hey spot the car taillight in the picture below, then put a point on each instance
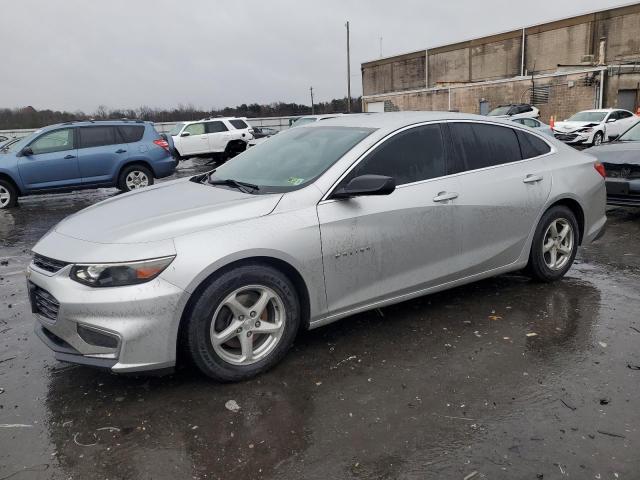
(600, 169)
(162, 143)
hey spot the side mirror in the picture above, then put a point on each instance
(611, 120)
(366, 185)
(27, 151)
(185, 134)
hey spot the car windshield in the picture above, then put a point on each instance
(595, 117)
(500, 111)
(176, 129)
(631, 135)
(304, 121)
(12, 145)
(291, 159)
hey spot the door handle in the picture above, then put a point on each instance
(445, 196)
(532, 179)
(69, 157)
(121, 151)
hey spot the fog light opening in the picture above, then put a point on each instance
(97, 338)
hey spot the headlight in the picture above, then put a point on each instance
(119, 274)
(586, 130)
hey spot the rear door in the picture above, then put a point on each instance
(100, 150)
(378, 247)
(504, 184)
(54, 162)
(194, 140)
(218, 135)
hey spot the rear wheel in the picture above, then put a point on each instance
(234, 148)
(134, 177)
(8, 194)
(555, 244)
(243, 323)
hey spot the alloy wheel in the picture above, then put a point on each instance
(247, 325)
(136, 179)
(557, 246)
(5, 197)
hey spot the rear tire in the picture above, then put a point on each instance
(243, 323)
(134, 177)
(8, 195)
(554, 246)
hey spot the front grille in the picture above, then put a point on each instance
(566, 137)
(48, 264)
(43, 303)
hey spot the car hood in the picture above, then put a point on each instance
(572, 126)
(617, 152)
(164, 212)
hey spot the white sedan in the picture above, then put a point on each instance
(593, 127)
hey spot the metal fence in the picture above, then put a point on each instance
(278, 123)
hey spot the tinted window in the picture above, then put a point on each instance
(56, 141)
(529, 122)
(130, 133)
(413, 155)
(532, 146)
(215, 127)
(478, 145)
(97, 136)
(238, 124)
(623, 114)
(195, 129)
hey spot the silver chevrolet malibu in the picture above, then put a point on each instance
(318, 223)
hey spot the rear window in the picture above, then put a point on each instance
(97, 136)
(532, 146)
(239, 124)
(130, 133)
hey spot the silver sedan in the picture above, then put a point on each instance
(319, 223)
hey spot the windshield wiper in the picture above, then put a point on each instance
(242, 186)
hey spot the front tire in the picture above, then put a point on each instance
(134, 177)
(597, 139)
(8, 195)
(554, 246)
(243, 323)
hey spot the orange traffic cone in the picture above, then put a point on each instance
(638, 112)
(552, 121)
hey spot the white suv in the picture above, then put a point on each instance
(219, 137)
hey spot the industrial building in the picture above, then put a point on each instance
(588, 61)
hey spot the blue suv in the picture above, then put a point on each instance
(78, 155)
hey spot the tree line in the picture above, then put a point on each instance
(29, 117)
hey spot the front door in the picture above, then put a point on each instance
(53, 163)
(504, 184)
(380, 247)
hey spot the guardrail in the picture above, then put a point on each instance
(278, 123)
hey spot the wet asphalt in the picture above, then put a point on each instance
(452, 385)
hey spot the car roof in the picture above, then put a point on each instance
(395, 120)
(89, 123)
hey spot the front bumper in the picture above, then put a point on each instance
(131, 328)
(623, 192)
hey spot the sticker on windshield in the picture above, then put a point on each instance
(295, 180)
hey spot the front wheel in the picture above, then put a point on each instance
(554, 246)
(8, 195)
(243, 323)
(134, 177)
(597, 139)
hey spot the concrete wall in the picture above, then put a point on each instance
(404, 72)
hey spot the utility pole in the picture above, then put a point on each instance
(348, 72)
(312, 107)
(380, 47)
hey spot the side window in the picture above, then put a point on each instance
(479, 145)
(624, 114)
(532, 146)
(97, 136)
(529, 122)
(56, 141)
(194, 129)
(613, 115)
(130, 133)
(413, 155)
(239, 124)
(216, 127)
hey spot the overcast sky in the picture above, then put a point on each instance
(77, 54)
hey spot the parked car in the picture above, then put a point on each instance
(621, 160)
(222, 138)
(299, 122)
(515, 110)
(593, 127)
(537, 124)
(261, 132)
(79, 155)
(316, 224)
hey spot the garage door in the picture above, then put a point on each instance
(375, 107)
(627, 99)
